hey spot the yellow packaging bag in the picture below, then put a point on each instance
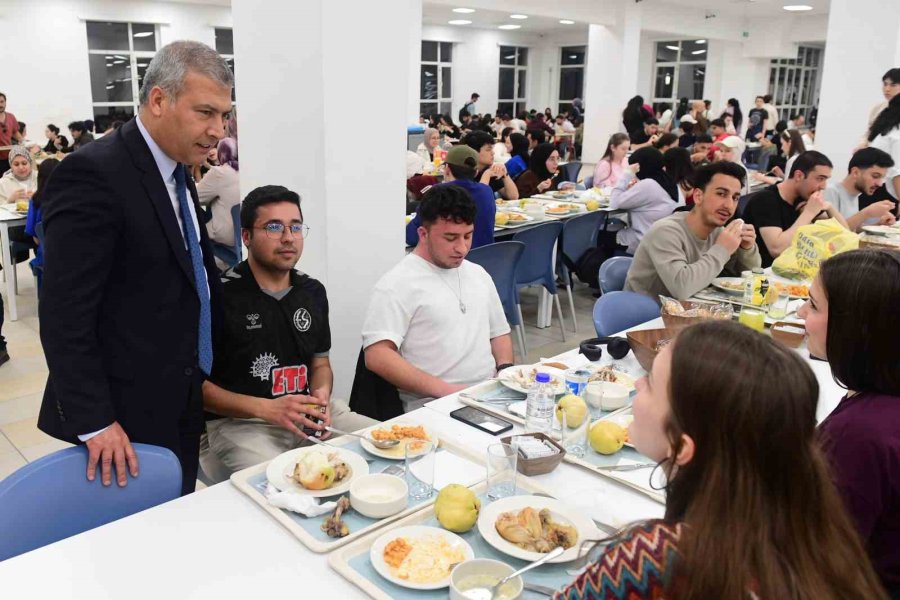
(811, 245)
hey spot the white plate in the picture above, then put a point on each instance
(882, 229)
(525, 220)
(280, 468)
(718, 281)
(621, 378)
(397, 452)
(411, 533)
(561, 512)
(507, 377)
(560, 214)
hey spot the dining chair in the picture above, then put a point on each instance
(51, 499)
(578, 236)
(613, 272)
(501, 261)
(570, 171)
(536, 266)
(618, 311)
(588, 182)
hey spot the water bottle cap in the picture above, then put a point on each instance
(542, 378)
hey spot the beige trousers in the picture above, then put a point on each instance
(230, 445)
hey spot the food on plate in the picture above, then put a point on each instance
(737, 286)
(576, 410)
(556, 365)
(697, 309)
(607, 437)
(501, 218)
(592, 205)
(557, 210)
(423, 560)
(535, 531)
(333, 525)
(319, 471)
(517, 217)
(562, 194)
(797, 290)
(408, 435)
(22, 205)
(456, 508)
(524, 377)
(608, 373)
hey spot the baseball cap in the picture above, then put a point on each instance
(462, 156)
(732, 141)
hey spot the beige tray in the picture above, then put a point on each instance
(241, 481)
(339, 560)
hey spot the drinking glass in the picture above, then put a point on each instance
(501, 471)
(575, 433)
(754, 318)
(778, 308)
(419, 460)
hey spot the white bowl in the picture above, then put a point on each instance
(483, 566)
(606, 395)
(378, 495)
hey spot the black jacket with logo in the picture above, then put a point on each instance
(267, 345)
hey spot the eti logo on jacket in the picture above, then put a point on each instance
(302, 320)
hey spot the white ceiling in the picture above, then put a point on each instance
(747, 8)
(439, 14)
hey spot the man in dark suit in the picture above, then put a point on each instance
(130, 285)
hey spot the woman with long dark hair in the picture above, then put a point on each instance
(792, 146)
(751, 511)
(884, 134)
(634, 115)
(733, 108)
(851, 302)
(517, 144)
(448, 127)
(652, 197)
(678, 165)
(542, 173)
(610, 168)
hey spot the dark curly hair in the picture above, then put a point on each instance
(449, 202)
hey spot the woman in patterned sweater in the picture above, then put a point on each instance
(751, 512)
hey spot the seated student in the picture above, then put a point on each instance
(717, 130)
(848, 320)
(80, 136)
(666, 141)
(535, 138)
(220, 190)
(518, 147)
(501, 148)
(653, 196)
(688, 131)
(683, 253)
(700, 150)
(677, 163)
(271, 382)
(492, 175)
(435, 324)
(750, 514)
(866, 174)
(731, 149)
(459, 172)
(430, 143)
(646, 136)
(613, 163)
(55, 141)
(542, 174)
(779, 210)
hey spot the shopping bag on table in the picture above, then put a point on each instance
(811, 245)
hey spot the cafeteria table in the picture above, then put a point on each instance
(217, 543)
(9, 219)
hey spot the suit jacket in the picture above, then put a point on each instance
(119, 309)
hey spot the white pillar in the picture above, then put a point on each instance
(863, 43)
(307, 74)
(413, 19)
(611, 78)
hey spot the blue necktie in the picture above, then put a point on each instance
(204, 334)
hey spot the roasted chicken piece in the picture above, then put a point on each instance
(535, 531)
(333, 525)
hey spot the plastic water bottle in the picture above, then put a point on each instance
(539, 405)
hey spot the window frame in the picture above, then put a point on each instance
(439, 66)
(518, 71)
(800, 76)
(228, 57)
(560, 102)
(132, 55)
(672, 102)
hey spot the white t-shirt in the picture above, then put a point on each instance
(846, 203)
(416, 306)
(890, 143)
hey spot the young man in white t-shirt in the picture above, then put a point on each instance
(435, 324)
(866, 173)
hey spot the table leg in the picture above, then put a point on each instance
(8, 264)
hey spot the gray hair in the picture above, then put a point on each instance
(170, 67)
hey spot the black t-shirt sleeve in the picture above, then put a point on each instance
(639, 137)
(323, 344)
(496, 184)
(763, 211)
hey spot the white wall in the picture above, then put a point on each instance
(47, 79)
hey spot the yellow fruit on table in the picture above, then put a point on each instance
(456, 508)
(607, 437)
(576, 410)
(501, 218)
(592, 205)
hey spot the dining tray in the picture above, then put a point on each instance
(252, 482)
(353, 562)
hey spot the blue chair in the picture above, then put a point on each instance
(578, 236)
(51, 499)
(613, 272)
(588, 182)
(501, 261)
(536, 266)
(231, 255)
(617, 311)
(570, 171)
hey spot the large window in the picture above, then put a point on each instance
(118, 56)
(225, 47)
(435, 92)
(680, 72)
(794, 83)
(571, 76)
(513, 77)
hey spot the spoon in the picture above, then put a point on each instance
(485, 593)
(380, 444)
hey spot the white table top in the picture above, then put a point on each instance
(217, 543)
(10, 217)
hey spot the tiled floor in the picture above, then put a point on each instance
(22, 379)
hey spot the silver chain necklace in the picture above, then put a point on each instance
(462, 305)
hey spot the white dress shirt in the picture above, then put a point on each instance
(166, 168)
